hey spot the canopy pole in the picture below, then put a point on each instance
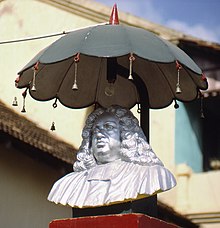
(149, 204)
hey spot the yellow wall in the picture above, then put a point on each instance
(25, 184)
(28, 18)
(162, 134)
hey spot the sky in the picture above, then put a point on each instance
(200, 18)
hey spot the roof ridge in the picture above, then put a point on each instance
(101, 13)
(27, 131)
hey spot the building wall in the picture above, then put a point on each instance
(188, 136)
(28, 18)
(162, 140)
(25, 184)
(162, 134)
(197, 196)
(197, 191)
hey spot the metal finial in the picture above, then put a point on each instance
(114, 16)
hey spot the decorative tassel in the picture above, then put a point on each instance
(201, 106)
(33, 88)
(35, 69)
(138, 108)
(15, 102)
(55, 103)
(76, 60)
(176, 106)
(17, 81)
(178, 67)
(24, 94)
(131, 59)
(204, 77)
(52, 128)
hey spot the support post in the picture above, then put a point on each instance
(147, 206)
(149, 203)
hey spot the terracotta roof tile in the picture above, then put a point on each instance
(28, 132)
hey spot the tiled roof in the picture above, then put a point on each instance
(28, 132)
(100, 13)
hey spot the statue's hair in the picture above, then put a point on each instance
(134, 146)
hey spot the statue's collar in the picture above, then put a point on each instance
(104, 172)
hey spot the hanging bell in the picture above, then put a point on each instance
(75, 87)
(52, 128)
(23, 109)
(138, 108)
(178, 89)
(24, 94)
(33, 88)
(130, 77)
(15, 102)
(202, 115)
(76, 60)
(131, 60)
(178, 67)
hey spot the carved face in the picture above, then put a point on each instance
(106, 138)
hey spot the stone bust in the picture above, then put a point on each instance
(114, 164)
